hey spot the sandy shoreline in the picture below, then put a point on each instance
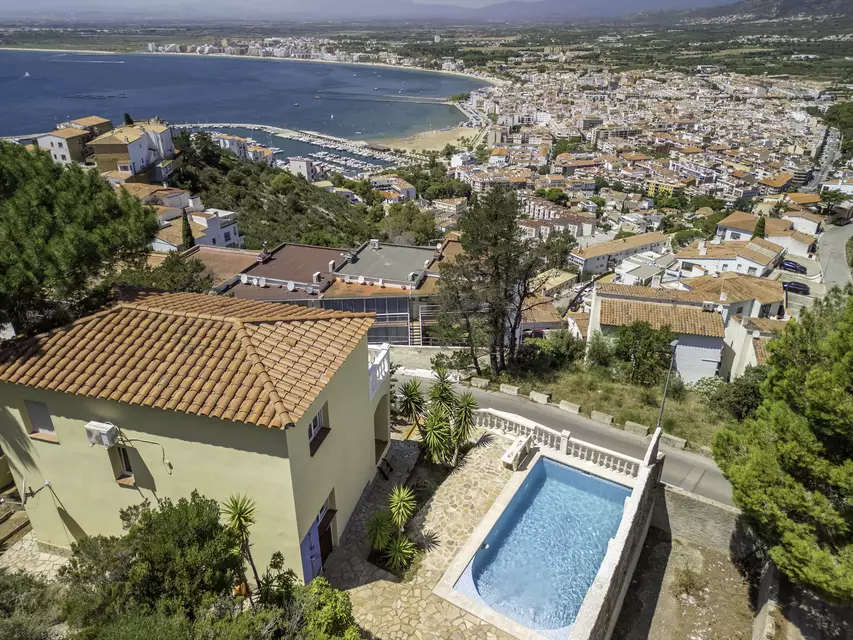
(430, 140)
(381, 65)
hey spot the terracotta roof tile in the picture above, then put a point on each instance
(255, 362)
(679, 319)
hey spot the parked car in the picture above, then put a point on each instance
(790, 265)
(797, 287)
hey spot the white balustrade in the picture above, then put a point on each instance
(515, 425)
(379, 368)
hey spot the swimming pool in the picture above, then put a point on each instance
(540, 558)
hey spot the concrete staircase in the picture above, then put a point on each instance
(415, 333)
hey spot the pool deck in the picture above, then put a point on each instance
(390, 609)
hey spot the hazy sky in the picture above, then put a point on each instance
(331, 10)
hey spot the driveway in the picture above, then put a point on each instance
(833, 256)
(683, 469)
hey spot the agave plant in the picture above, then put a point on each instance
(400, 552)
(401, 505)
(411, 402)
(380, 529)
(436, 434)
(463, 423)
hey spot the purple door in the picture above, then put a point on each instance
(312, 561)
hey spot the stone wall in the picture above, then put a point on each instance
(603, 602)
(682, 514)
(764, 625)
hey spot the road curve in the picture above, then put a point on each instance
(683, 469)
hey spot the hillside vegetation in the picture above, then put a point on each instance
(273, 205)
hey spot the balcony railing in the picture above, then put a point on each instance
(380, 366)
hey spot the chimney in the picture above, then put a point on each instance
(331, 266)
(703, 251)
(316, 277)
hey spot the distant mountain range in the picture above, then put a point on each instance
(763, 9)
(407, 10)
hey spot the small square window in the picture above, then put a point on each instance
(124, 462)
(120, 457)
(317, 431)
(39, 422)
(63, 156)
(60, 145)
(315, 426)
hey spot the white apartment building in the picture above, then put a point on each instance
(599, 258)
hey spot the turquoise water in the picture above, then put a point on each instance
(39, 89)
(541, 557)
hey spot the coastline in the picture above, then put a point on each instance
(469, 76)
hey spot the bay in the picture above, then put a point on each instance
(39, 89)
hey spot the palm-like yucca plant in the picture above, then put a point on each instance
(401, 505)
(464, 423)
(400, 552)
(239, 511)
(441, 392)
(436, 434)
(411, 402)
(380, 529)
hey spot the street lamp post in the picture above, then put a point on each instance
(674, 345)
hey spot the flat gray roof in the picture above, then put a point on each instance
(389, 261)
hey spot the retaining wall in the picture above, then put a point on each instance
(603, 602)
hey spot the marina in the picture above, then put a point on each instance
(353, 159)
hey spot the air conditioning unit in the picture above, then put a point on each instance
(708, 306)
(102, 433)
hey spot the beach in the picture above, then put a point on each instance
(431, 140)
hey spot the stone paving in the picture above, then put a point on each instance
(387, 608)
(24, 555)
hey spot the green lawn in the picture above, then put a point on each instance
(688, 418)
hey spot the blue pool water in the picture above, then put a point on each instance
(541, 557)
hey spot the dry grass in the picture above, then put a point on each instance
(687, 418)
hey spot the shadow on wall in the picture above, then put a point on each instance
(641, 600)
(16, 442)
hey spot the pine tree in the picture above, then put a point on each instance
(791, 467)
(63, 232)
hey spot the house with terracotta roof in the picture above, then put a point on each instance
(143, 147)
(697, 323)
(740, 225)
(746, 344)
(68, 144)
(775, 184)
(755, 257)
(740, 295)
(168, 393)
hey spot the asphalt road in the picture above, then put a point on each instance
(830, 153)
(683, 469)
(833, 256)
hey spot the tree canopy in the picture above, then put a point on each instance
(405, 224)
(173, 576)
(490, 286)
(791, 466)
(176, 273)
(63, 231)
